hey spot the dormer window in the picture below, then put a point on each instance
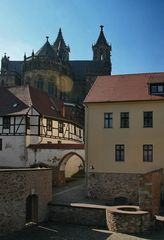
(157, 88)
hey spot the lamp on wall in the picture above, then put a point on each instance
(80, 167)
(32, 191)
(92, 167)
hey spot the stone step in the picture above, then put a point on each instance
(82, 214)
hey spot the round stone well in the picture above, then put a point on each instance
(128, 219)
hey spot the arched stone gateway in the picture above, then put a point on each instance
(64, 159)
(70, 165)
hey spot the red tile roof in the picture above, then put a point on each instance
(129, 87)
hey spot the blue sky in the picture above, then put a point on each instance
(135, 28)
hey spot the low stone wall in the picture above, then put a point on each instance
(129, 220)
(16, 186)
(58, 177)
(113, 185)
(84, 214)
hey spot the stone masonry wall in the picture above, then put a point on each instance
(15, 187)
(113, 185)
(150, 191)
(58, 177)
(75, 214)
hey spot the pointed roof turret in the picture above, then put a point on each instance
(101, 39)
(5, 63)
(61, 49)
(59, 42)
(102, 50)
(46, 50)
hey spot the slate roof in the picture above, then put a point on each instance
(119, 88)
(15, 66)
(79, 67)
(46, 50)
(18, 100)
(82, 68)
(7, 102)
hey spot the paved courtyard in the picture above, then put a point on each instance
(74, 192)
(50, 231)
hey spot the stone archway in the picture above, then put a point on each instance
(70, 164)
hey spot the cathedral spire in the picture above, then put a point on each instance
(101, 50)
(61, 49)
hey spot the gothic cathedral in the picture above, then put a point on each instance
(50, 69)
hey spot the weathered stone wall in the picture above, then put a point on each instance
(76, 214)
(128, 221)
(15, 187)
(58, 177)
(113, 185)
(150, 191)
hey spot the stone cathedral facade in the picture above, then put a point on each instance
(51, 70)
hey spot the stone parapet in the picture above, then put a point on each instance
(83, 214)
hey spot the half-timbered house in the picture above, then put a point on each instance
(28, 117)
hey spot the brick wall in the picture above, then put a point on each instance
(15, 187)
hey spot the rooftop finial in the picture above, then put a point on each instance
(33, 53)
(47, 38)
(101, 26)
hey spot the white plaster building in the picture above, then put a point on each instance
(29, 117)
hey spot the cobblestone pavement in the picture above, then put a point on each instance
(50, 231)
(74, 192)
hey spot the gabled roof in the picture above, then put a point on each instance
(119, 88)
(11, 104)
(18, 101)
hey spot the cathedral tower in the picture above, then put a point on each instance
(60, 48)
(102, 50)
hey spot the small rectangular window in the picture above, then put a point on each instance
(119, 152)
(60, 127)
(49, 125)
(80, 133)
(157, 88)
(160, 88)
(148, 119)
(6, 122)
(108, 120)
(28, 122)
(74, 130)
(148, 153)
(0, 144)
(124, 120)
